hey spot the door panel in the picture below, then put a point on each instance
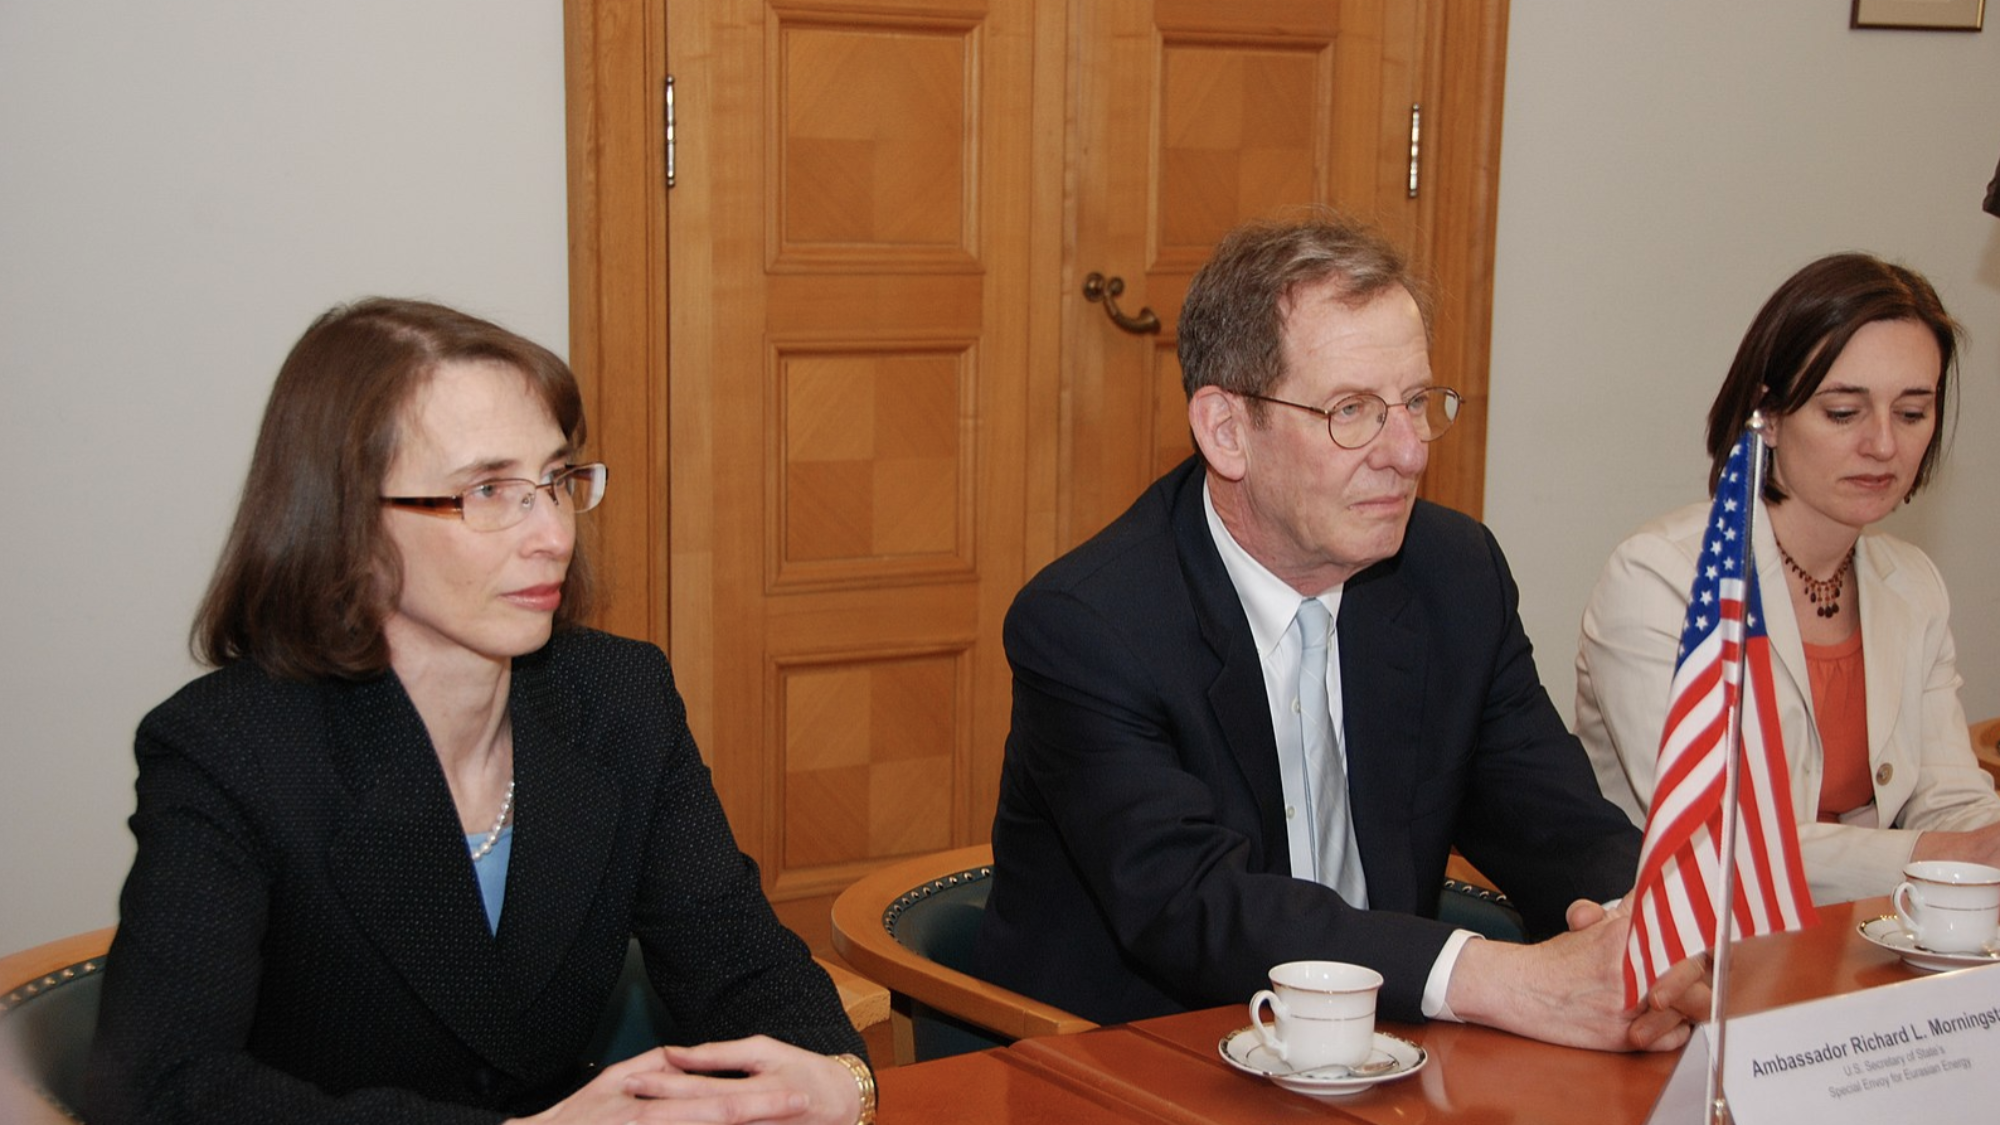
(1192, 117)
(844, 368)
(841, 368)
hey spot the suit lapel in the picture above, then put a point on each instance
(1886, 641)
(400, 863)
(1382, 672)
(1885, 637)
(565, 823)
(1236, 693)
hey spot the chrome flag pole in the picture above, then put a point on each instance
(1725, 894)
(1721, 832)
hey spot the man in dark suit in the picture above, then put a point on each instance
(1205, 779)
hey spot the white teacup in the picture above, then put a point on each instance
(1325, 1010)
(1950, 907)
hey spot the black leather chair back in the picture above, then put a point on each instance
(938, 922)
(1484, 912)
(50, 1022)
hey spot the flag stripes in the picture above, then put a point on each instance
(1680, 863)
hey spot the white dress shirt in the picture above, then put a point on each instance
(1270, 604)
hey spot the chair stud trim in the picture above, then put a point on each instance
(34, 988)
(916, 895)
(29, 990)
(1483, 894)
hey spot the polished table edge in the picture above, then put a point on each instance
(1001, 1085)
(1119, 1069)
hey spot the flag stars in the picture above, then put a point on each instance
(1723, 625)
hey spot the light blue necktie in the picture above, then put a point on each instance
(1335, 853)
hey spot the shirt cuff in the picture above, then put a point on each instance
(1439, 982)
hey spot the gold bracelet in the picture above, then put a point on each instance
(864, 1080)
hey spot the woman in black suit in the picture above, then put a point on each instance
(391, 852)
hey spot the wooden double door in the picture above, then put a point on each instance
(845, 369)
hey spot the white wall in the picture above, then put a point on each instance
(183, 187)
(1664, 168)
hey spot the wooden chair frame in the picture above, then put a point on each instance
(1986, 744)
(862, 915)
(23, 977)
(24, 973)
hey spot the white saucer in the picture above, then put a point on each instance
(1242, 1050)
(1888, 932)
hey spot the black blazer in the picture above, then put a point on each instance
(303, 939)
(1141, 863)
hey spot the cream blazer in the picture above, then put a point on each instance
(1919, 752)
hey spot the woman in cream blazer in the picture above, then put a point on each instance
(1850, 361)
(1919, 755)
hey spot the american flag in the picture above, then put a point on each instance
(1680, 864)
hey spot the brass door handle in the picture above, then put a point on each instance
(1097, 287)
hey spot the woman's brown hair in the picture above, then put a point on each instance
(1802, 330)
(308, 574)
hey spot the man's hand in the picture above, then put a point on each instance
(1682, 991)
(1571, 989)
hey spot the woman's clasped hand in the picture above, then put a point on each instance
(777, 1083)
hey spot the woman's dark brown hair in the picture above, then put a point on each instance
(308, 575)
(1802, 330)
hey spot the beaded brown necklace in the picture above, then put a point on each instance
(1824, 594)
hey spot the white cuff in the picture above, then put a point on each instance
(1439, 982)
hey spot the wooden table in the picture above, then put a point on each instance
(1167, 1069)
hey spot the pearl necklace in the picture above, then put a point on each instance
(1824, 594)
(499, 822)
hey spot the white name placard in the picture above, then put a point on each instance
(1857, 1059)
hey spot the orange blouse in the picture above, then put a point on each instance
(1840, 711)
